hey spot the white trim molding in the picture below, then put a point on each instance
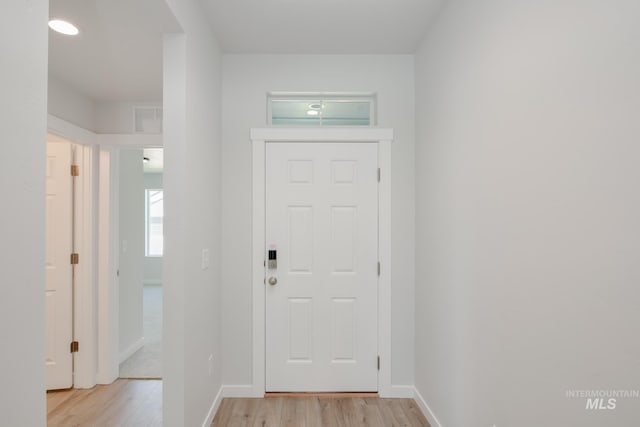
(426, 410)
(323, 134)
(84, 153)
(214, 407)
(402, 391)
(128, 352)
(262, 136)
(238, 391)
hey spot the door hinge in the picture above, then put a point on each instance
(378, 268)
(378, 363)
(74, 346)
(75, 259)
(378, 174)
(75, 170)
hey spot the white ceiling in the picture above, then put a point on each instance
(118, 54)
(321, 26)
(156, 160)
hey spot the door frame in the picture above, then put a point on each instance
(96, 319)
(260, 137)
(82, 143)
(108, 369)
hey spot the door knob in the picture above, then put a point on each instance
(272, 280)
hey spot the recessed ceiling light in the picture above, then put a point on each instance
(315, 106)
(63, 27)
(312, 113)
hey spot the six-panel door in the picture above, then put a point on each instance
(322, 221)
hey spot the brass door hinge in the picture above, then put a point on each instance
(378, 268)
(378, 363)
(74, 346)
(75, 170)
(378, 174)
(75, 259)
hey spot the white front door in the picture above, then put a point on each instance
(322, 298)
(58, 267)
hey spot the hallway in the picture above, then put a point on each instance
(124, 403)
(147, 362)
(138, 403)
(319, 412)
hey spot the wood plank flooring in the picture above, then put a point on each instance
(319, 412)
(135, 403)
(138, 403)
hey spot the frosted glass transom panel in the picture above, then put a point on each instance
(321, 109)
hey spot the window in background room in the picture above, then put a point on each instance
(321, 109)
(154, 209)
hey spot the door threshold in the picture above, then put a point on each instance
(329, 395)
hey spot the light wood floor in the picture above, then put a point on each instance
(138, 403)
(319, 412)
(135, 403)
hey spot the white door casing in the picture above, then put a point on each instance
(58, 292)
(321, 300)
(260, 138)
(96, 298)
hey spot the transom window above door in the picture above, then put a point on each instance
(321, 109)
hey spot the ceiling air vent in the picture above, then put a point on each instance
(147, 119)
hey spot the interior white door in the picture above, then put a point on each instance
(58, 267)
(322, 299)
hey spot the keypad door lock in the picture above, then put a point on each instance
(272, 259)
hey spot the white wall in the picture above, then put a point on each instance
(23, 108)
(118, 117)
(66, 103)
(246, 81)
(527, 212)
(95, 115)
(192, 73)
(153, 265)
(131, 258)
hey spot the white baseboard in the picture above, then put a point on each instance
(128, 352)
(214, 408)
(152, 282)
(402, 392)
(239, 391)
(425, 409)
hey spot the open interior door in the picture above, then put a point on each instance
(59, 359)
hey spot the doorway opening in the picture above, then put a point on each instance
(141, 212)
(69, 263)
